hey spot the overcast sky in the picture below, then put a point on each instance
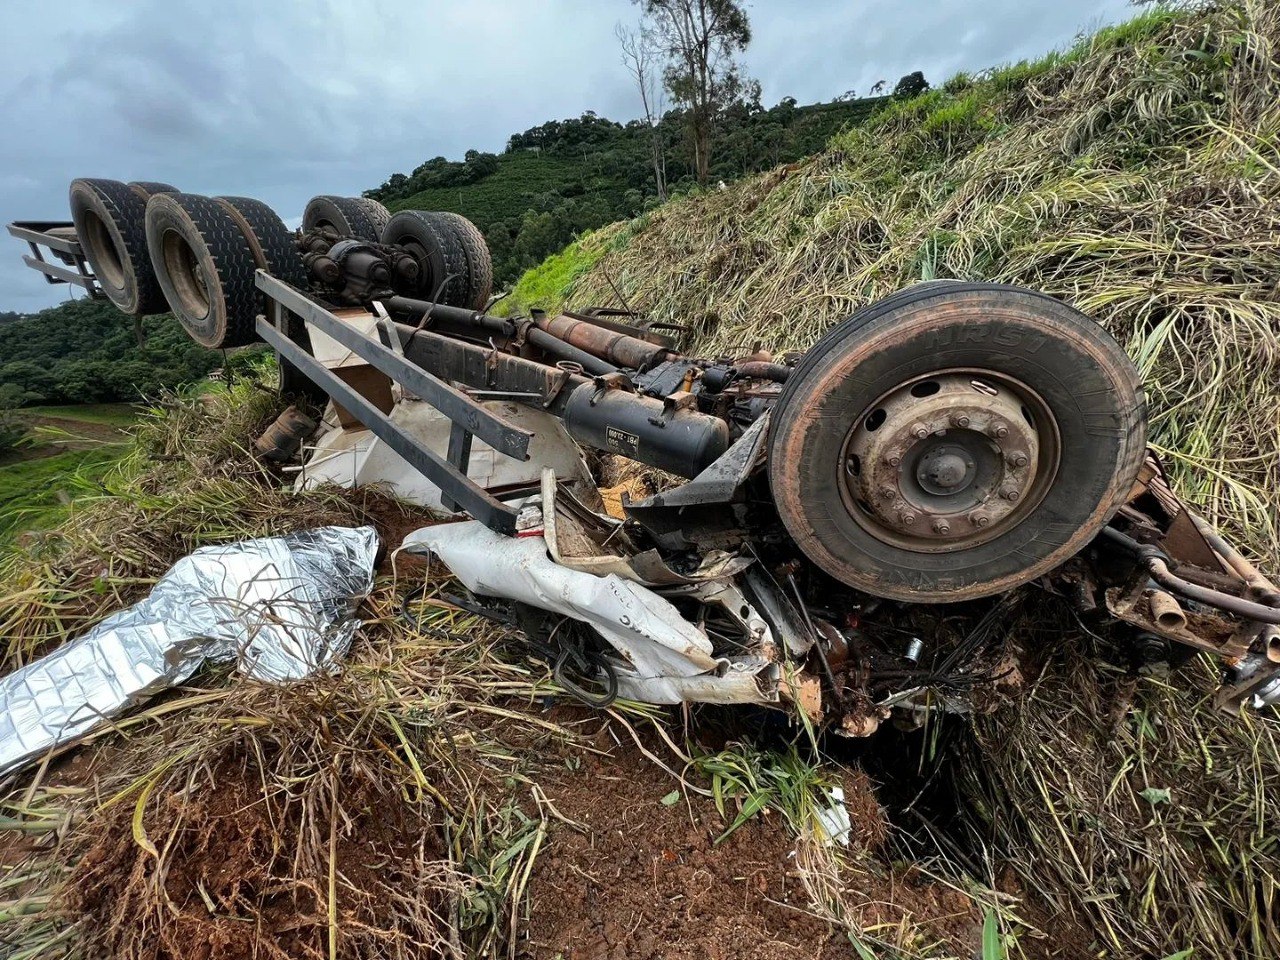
(287, 99)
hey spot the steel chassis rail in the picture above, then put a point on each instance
(60, 238)
(469, 418)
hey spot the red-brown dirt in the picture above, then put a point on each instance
(239, 879)
(641, 880)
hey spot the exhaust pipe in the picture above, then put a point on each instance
(1167, 612)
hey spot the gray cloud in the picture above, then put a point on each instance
(285, 100)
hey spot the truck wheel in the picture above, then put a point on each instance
(205, 267)
(145, 188)
(430, 239)
(379, 215)
(109, 219)
(479, 263)
(347, 215)
(271, 242)
(954, 441)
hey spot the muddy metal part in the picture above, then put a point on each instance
(940, 463)
(282, 440)
(950, 460)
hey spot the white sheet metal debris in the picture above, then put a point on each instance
(281, 607)
(663, 658)
(833, 820)
(353, 457)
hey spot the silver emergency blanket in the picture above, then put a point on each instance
(280, 607)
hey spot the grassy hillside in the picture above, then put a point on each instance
(562, 177)
(1136, 175)
(69, 449)
(35, 493)
(520, 178)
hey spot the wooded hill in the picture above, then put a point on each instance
(564, 176)
(85, 351)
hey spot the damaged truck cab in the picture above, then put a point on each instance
(853, 521)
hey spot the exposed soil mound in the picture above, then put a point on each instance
(246, 873)
(634, 878)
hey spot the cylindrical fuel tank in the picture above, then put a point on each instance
(683, 441)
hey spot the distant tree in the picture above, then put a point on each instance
(911, 86)
(481, 164)
(846, 97)
(640, 49)
(877, 88)
(12, 429)
(702, 39)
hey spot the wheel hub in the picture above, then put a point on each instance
(945, 470)
(949, 460)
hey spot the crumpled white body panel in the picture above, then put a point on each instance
(356, 458)
(280, 606)
(670, 660)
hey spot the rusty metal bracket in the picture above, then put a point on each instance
(673, 404)
(611, 381)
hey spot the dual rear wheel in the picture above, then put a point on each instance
(154, 248)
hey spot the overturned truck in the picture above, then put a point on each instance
(948, 445)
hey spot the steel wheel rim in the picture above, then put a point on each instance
(949, 460)
(185, 273)
(108, 264)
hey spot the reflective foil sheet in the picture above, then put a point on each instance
(281, 607)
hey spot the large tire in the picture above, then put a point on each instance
(379, 215)
(271, 242)
(205, 267)
(442, 260)
(1082, 415)
(110, 224)
(479, 263)
(348, 216)
(146, 188)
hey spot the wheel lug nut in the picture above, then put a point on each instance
(1010, 493)
(908, 519)
(960, 420)
(919, 431)
(941, 527)
(979, 519)
(1018, 460)
(999, 430)
(893, 460)
(888, 492)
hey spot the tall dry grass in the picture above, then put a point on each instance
(1136, 175)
